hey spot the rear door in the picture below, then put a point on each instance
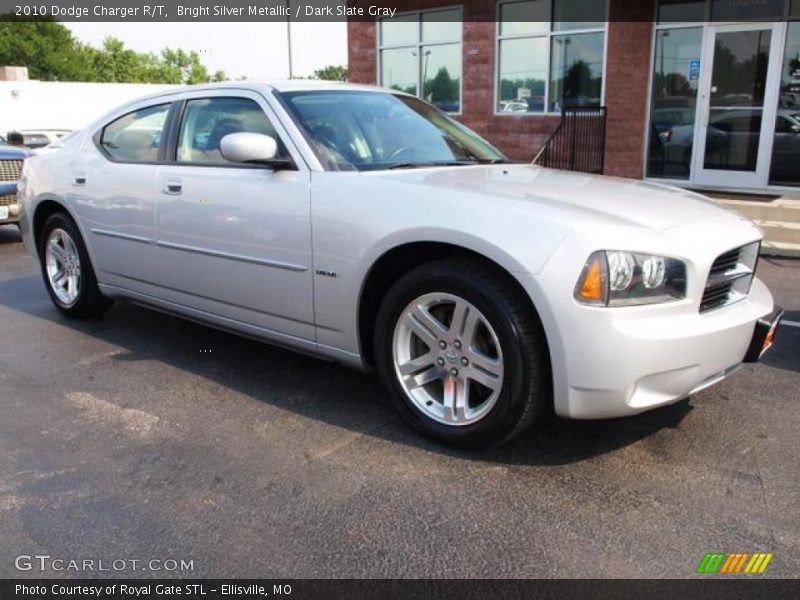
(111, 184)
(235, 239)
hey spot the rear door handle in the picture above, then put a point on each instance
(79, 179)
(173, 187)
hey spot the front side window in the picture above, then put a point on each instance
(420, 54)
(368, 131)
(207, 120)
(550, 55)
(136, 137)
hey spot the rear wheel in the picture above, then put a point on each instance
(463, 353)
(67, 271)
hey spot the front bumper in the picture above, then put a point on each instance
(764, 335)
(627, 362)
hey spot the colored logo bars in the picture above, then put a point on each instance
(738, 562)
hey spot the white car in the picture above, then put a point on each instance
(366, 226)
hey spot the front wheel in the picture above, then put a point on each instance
(463, 353)
(67, 271)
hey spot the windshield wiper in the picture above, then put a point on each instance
(498, 161)
(437, 163)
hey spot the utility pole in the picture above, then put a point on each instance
(289, 36)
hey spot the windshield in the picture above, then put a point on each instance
(367, 131)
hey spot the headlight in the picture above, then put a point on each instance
(617, 278)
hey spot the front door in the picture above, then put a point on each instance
(737, 104)
(234, 239)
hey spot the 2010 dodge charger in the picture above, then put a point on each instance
(366, 226)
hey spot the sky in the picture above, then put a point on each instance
(254, 50)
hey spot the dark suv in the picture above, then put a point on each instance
(11, 159)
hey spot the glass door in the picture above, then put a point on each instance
(737, 104)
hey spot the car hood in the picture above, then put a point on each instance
(13, 153)
(569, 196)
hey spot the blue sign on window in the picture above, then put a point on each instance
(694, 70)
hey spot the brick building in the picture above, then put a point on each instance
(697, 92)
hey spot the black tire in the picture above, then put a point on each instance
(525, 393)
(90, 302)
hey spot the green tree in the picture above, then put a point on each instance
(51, 53)
(332, 73)
(47, 48)
(442, 88)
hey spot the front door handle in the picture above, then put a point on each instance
(79, 179)
(173, 187)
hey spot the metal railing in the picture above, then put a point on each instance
(578, 143)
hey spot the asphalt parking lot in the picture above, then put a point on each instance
(142, 436)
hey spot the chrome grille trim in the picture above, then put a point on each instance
(730, 277)
(10, 169)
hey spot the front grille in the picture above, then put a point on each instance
(8, 199)
(10, 170)
(730, 277)
(726, 261)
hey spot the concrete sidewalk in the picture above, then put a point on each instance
(779, 218)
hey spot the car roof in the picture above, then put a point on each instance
(288, 85)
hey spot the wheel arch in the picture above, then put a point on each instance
(399, 260)
(45, 207)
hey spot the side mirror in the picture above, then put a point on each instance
(248, 147)
(15, 138)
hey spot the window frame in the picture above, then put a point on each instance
(548, 35)
(164, 141)
(418, 48)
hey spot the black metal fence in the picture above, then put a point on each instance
(578, 143)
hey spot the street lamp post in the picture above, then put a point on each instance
(289, 37)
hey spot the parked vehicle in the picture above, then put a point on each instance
(368, 227)
(11, 160)
(38, 138)
(785, 166)
(733, 137)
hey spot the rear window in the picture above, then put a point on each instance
(136, 136)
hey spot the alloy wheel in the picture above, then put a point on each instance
(63, 265)
(448, 359)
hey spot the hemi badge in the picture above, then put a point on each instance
(325, 273)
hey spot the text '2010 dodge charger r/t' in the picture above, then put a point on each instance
(366, 226)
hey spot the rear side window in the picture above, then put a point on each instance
(206, 121)
(136, 137)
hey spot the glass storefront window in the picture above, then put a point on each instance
(569, 15)
(400, 30)
(746, 10)
(441, 26)
(525, 18)
(738, 87)
(441, 81)
(399, 70)
(785, 166)
(523, 75)
(576, 70)
(677, 72)
(681, 11)
(420, 54)
(541, 67)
